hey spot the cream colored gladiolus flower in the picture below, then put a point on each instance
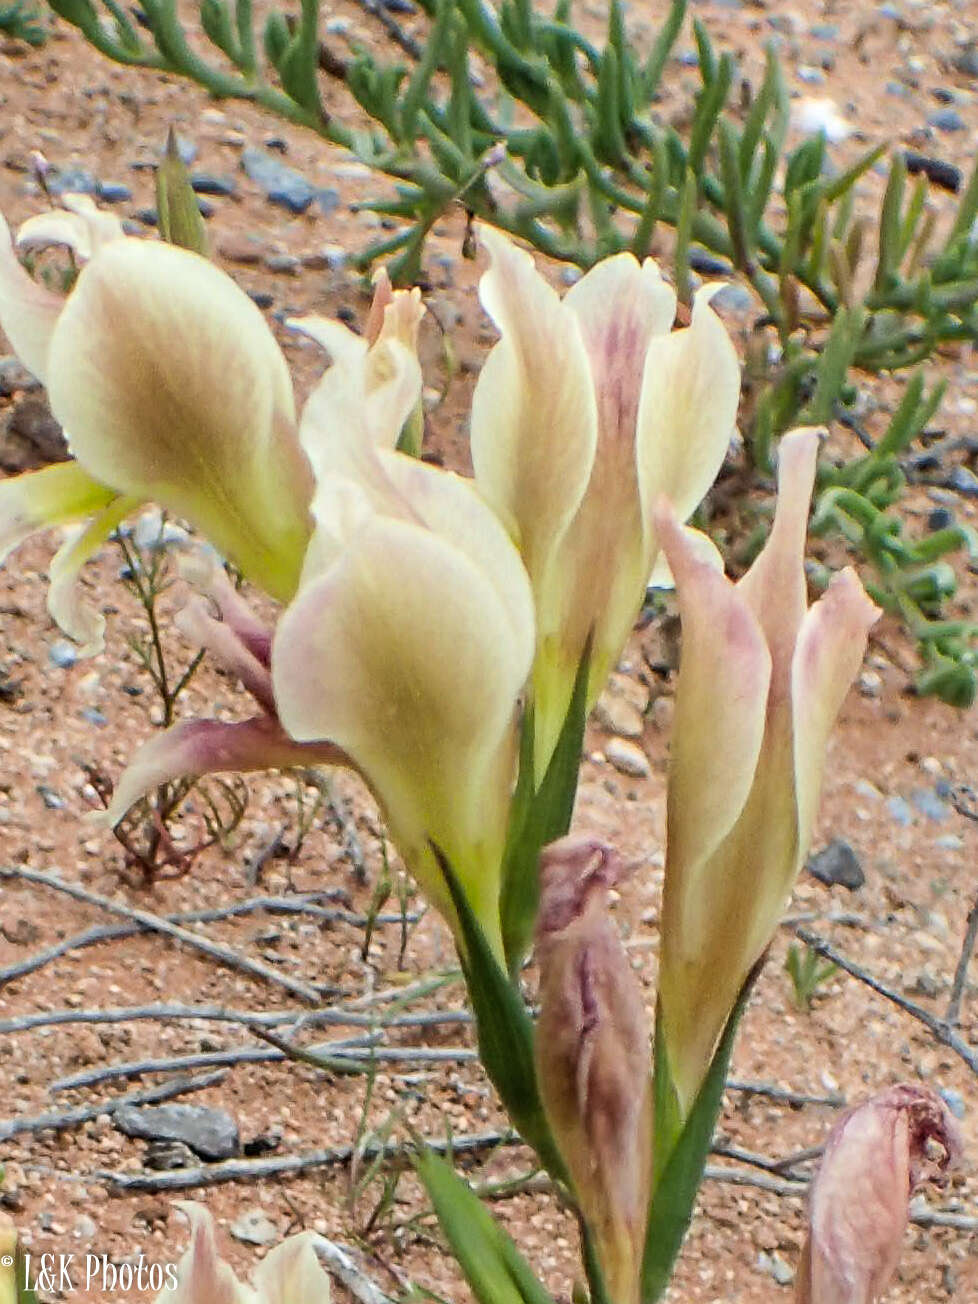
(408, 647)
(289, 1274)
(761, 681)
(587, 410)
(172, 388)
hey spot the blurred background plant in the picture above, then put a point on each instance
(808, 972)
(22, 22)
(562, 145)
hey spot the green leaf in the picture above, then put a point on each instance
(538, 817)
(681, 1150)
(504, 1028)
(494, 1268)
(179, 213)
(655, 65)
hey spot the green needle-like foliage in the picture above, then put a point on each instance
(566, 150)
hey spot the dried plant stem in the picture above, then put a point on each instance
(941, 1029)
(296, 1018)
(59, 1121)
(221, 954)
(961, 971)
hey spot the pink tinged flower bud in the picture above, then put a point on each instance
(593, 1055)
(875, 1158)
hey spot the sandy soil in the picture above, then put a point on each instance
(887, 756)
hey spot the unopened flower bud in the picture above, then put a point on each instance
(875, 1157)
(593, 1055)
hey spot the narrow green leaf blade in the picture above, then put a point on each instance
(680, 1159)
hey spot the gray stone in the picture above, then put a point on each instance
(113, 192)
(210, 1133)
(900, 811)
(281, 184)
(947, 120)
(30, 437)
(62, 654)
(254, 1227)
(837, 865)
(963, 481)
(71, 181)
(205, 183)
(928, 803)
(733, 298)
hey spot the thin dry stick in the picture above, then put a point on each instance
(304, 904)
(67, 1118)
(796, 1099)
(178, 1063)
(941, 1030)
(344, 1268)
(166, 1013)
(346, 1055)
(221, 954)
(252, 1170)
(961, 972)
(965, 802)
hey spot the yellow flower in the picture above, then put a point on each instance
(761, 681)
(586, 411)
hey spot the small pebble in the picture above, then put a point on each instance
(628, 758)
(900, 811)
(928, 803)
(837, 865)
(113, 192)
(870, 683)
(205, 183)
(954, 1101)
(947, 120)
(254, 1227)
(62, 654)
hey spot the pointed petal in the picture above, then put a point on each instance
(202, 1275)
(28, 311)
(723, 655)
(363, 399)
(775, 586)
(208, 576)
(292, 1274)
(687, 412)
(534, 418)
(66, 605)
(80, 225)
(174, 389)
(830, 649)
(230, 651)
(197, 747)
(403, 655)
(56, 495)
(704, 548)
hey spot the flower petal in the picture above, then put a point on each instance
(719, 730)
(222, 641)
(775, 586)
(79, 619)
(292, 1274)
(208, 576)
(723, 654)
(174, 389)
(705, 549)
(534, 417)
(80, 225)
(687, 412)
(56, 495)
(28, 311)
(873, 1161)
(202, 1275)
(403, 655)
(198, 747)
(830, 648)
